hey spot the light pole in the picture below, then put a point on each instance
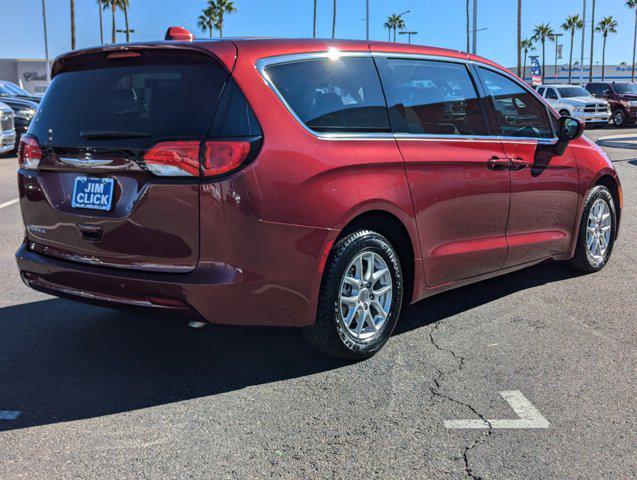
(581, 62)
(409, 34)
(475, 27)
(46, 44)
(367, 19)
(557, 41)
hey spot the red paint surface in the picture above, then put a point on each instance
(251, 247)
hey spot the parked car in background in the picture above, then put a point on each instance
(11, 89)
(23, 104)
(7, 129)
(308, 183)
(622, 97)
(576, 101)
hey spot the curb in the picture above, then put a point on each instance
(618, 142)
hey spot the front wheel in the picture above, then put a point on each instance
(360, 298)
(619, 118)
(597, 231)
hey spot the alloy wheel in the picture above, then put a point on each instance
(365, 296)
(598, 230)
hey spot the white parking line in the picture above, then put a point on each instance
(9, 203)
(9, 414)
(529, 416)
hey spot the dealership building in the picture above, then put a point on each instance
(612, 73)
(27, 73)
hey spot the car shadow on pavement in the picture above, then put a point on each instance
(62, 361)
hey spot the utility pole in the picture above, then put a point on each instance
(581, 61)
(367, 19)
(409, 34)
(46, 44)
(590, 75)
(475, 27)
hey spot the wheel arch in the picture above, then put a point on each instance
(394, 230)
(609, 182)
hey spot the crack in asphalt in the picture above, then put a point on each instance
(436, 390)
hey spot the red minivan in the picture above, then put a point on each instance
(310, 183)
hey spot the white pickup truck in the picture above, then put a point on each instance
(576, 101)
(7, 129)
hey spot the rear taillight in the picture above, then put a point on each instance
(224, 156)
(179, 159)
(29, 153)
(174, 159)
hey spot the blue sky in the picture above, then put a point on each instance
(439, 23)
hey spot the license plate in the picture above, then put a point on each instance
(93, 193)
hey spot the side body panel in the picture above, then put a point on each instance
(544, 201)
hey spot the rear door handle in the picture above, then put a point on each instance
(497, 163)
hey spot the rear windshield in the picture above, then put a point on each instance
(130, 103)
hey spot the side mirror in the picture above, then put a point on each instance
(568, 129)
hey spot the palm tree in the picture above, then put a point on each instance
(542, 33)
(606, 25)
(590, 74)
(389, 25)
(519, 39)
(334, 21)
(572, 24)
(124, 4)
(221, 7)
(72, 24)
(633, 4)
(526, 46)
(207, 20)
(314, 25)
(112, 6)
(399, 25)
(99, 7)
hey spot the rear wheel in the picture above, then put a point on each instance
(360, 298)
(597, 231)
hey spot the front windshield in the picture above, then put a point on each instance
(623, 88)
(570, 92)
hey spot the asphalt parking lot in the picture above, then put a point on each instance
(92, 393)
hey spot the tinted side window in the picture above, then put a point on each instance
(342, 95)
(541, 91)
(426, 96)
(518, 113)
(550, 94)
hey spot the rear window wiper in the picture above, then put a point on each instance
(110, 134)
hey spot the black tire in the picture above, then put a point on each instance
(619, 118)
(328, 334)
(582, 260)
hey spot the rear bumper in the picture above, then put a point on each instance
(217, 293)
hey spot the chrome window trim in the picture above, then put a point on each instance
(262, 63)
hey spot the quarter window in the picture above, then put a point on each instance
(333, 95)
(432, 97)
(518, 113)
